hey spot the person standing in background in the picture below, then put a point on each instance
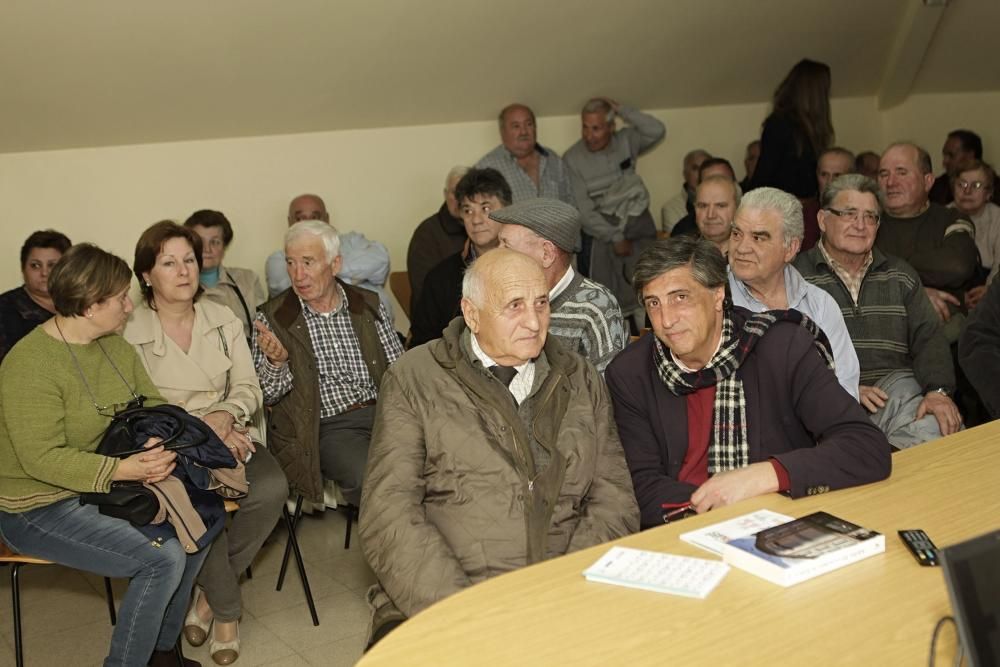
(612, 199)
(797, 131)
(439, 236)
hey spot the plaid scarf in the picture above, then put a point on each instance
(729, 448)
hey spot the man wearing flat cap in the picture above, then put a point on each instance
(494, 448)
(585, 316)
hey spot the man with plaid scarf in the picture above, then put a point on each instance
(722, 404)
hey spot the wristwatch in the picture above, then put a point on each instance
(942, 391)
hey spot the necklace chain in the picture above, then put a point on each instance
(79, 369)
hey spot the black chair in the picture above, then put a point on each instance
(292, 545)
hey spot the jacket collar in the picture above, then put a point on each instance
(447, 351)
(291, 306)
(144, 326)
(816, 259)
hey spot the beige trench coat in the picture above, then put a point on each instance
(196, 380)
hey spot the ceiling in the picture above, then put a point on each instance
(75, 74)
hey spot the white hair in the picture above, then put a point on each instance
(455, 174)
(326, 233)
(474, 285)
(787, 206)
(597, 105)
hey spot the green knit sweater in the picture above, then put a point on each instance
(49, 428)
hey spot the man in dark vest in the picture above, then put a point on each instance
(320, 352)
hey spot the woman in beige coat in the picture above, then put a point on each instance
(197, 356)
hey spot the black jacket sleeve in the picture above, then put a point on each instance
(979, 349)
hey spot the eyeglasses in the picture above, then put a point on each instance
(965, 186)
(871, 219)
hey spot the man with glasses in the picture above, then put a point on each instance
(906, 369)
(766, 233)
(938, 242)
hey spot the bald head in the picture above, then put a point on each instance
(692, 167)
(505, 303)
(307, 207)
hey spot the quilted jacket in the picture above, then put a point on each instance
(451, 496)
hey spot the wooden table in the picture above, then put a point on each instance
(880, 611)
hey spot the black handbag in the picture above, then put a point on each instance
(126, 500)
(126, 434)
(130, 429)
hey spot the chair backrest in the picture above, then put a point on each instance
(399, 283)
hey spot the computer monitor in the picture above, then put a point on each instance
(972, 572)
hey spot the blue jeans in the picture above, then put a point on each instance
(78, 536)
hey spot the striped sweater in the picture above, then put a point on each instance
(893, 325)
(587, 320)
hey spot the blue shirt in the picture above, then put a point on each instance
(818, 305)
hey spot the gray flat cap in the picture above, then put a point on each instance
(549, 218)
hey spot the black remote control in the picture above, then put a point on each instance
(920, 546)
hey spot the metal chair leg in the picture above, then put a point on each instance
(301, 566)
(293, 522)
(352, 515)
(111, 600)
(15, 595)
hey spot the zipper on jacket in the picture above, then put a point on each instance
(524, 462)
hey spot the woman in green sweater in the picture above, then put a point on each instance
(59, 388)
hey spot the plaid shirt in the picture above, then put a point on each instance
(852, 281)
(344, 379)
(553, 176)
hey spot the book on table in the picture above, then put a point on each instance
(803, 548)
(713, 538)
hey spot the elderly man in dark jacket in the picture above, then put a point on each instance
(722, 404)
(493, 449)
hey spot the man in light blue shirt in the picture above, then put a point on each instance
(767, 233)
(365, 263)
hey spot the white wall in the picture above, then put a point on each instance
(381, 182)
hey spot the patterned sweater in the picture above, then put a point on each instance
(893, 325)
(49, 427)
(586, 319)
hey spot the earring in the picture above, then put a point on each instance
(89, 314)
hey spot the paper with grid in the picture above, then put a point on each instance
(658, 572)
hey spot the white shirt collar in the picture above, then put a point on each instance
(520, 386)
(563, 283)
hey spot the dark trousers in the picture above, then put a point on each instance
(235, 547)
(343, 449)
